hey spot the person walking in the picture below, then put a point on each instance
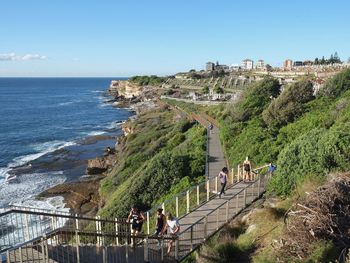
(271, 169)
(247, 167)
(160, 224)
(136, 219)
(223, 180)
(174, 227)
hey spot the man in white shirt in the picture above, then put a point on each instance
(174, 228)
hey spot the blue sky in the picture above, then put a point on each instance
(124, 38)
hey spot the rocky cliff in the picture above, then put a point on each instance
(124, 88)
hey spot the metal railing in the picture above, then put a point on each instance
(194, 235)
(62, 237)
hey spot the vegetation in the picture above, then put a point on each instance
(161, 154)
(147, 80)
(333, 59)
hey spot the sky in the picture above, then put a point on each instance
(113, 38)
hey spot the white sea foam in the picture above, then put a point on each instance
(41, 148)
(27, 186)
(55, 203)
(115, 125)
(69, 102)
(95, 133)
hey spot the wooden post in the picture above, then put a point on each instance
(208, 190)
(216, 184)
(77, 237)
(163, 207)
(191, 238)
(205, 226)
(232, 177)
(188, 201)
(148, 223)
(20, 255)
(177, 249)
(245, 197)
(197, 195)
(145, 250)
(237, 206)
(238, 173)
(98, 230)
(116, 232)
(177, 206)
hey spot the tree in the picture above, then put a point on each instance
(316, 61)
(206, 90)
(323, 61)
(268, 67)
(218, 89)
(336, 57)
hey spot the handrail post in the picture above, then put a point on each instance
(116, 232)
(177, 206)
(145, 250)
(163, 207)
(177, 248)
(237, 206)
(77, 237)
(162, 249)
(232, 177)
(245, 197)
(191, 239)
(205, 226)
(216, 184)
(148, 223)
(238, 173)
(227, 211)
(20, 255)
(197, 195)
(188, 201)
(98, 230)
(208, 190)
(8, 256)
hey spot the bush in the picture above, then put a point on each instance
(289, 105)
(337, 85)
(255, 99)
(314, 154)
(147, 80)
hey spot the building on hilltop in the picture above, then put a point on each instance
(260, 64)
(297, 63)
(210, 66)
(308, 63)
(288, 64)
(247, 64)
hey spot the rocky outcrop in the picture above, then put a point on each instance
(124, 88)
(82, 197)
(100, 165)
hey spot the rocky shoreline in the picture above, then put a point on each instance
(82, 196)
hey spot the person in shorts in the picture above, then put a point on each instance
(174, 228)
(161, 224)
(136, 219)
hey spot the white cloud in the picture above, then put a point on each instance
(14, 57)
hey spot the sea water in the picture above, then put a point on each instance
(49, 127)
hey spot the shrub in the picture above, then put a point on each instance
(255, 99)
(337, 85)
(289, 105)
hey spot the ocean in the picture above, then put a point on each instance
(49, 127)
